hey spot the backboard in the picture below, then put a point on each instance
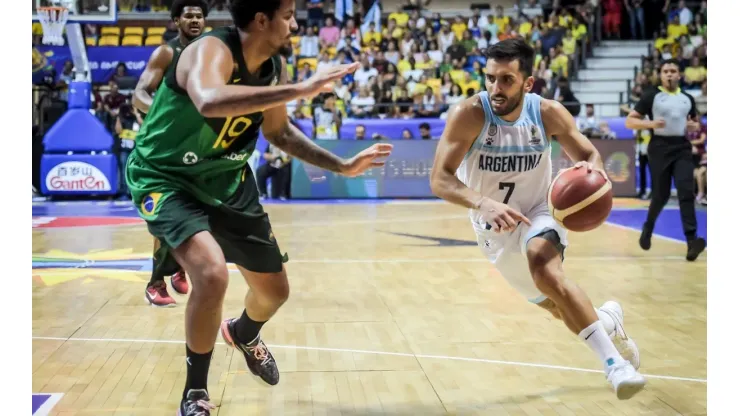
(81, 11)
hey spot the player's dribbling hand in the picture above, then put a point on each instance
(323, 80)
(590, 168)
(366, 159)
(500, 217)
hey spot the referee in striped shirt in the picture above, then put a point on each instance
(671, 114)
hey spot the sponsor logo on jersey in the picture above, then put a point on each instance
(492, 131)
(512, 163)
(236, 156)
(76, 176)
(190, 158)
(149, 203)
(534, 140)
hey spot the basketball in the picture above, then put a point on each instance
(580, 200)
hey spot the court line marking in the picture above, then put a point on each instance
(398, 354)
(662, 237)
(296, 224)
(370, 221)
(45, 408)
(482, 260)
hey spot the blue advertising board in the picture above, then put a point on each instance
(79, 174)
(103, 60)
(407, 171)
(405, 174)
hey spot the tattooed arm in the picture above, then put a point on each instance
(279, 131)
(292, 141)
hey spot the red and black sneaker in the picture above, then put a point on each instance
(259, 359)
(157, 295)
(180, 282)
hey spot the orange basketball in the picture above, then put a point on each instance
(580, 200)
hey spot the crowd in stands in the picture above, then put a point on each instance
(418, 64)
(683, 36)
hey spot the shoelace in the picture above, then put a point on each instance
(201, 407)
(260, 352)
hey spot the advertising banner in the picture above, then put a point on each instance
(79, 174)
(407, 170)
(103, 59)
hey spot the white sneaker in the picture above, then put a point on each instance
(625, 345)
(625, 379)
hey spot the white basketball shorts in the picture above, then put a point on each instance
(508, 251)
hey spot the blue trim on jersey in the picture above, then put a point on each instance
(534, 107)
(490, 117)
(506, 149)
(488, 112)
(531, 114)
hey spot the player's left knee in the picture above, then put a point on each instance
(278, 291)
(547, 275)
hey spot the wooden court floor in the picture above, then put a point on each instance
(393, 310)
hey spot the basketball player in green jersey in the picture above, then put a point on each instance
(189, 16)
(190, 180)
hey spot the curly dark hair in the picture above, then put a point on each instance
(179, 5)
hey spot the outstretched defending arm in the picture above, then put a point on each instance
(279, 131)
(206, 66)
(151, 77)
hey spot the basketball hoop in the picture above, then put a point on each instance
(53, 20)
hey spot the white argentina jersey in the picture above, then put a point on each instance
(509, 162)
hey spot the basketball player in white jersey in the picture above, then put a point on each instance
(494, 159)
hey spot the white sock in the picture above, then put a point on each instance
(607, 320)
(596, 337)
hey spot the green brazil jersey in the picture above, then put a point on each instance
(178, 149)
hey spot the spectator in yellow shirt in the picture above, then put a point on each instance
(579, 28)
(405, 64)
(457, 73)
(500, 20)
(459, 27)
(663, 40)
(525, 27)
(695, 75)
(371, 34)
(425, 62)
(399, 16)
(393, 29)
(569, 44)
(469, 83)
(559, 64)
(676, 29)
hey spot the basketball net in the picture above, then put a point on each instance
(53, 20)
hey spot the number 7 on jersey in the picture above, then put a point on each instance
(509, 186)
